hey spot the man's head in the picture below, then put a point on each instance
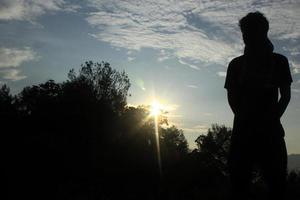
(254, 27)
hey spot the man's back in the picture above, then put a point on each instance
(256, 84)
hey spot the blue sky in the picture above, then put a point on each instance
(175, 50)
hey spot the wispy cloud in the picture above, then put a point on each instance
(221, 74)
(197, 129)
(171, 107)
(188, 64)
(204, 31)
(11, 74)
(295, 67)
(296, 90)
(160, 25)
(192, 86)
(164, 55)
(129, 58)
(30, 9)
(11, 59)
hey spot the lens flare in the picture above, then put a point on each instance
(158, 145)
(156, 110)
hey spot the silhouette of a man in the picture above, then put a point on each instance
(253, 82)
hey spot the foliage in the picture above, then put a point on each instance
(216, 144)
(174, 146)
(107, 84)
(5, 96)
(84, 136)
(78, 140)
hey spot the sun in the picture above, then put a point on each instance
(156, 108)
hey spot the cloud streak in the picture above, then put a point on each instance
(221, 74)
(198, 31)
(30, 9)
(160, 25)
(198, 129)
(11, 74)
(11, 59)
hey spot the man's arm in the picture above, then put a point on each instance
(232, 100)
(285, 97)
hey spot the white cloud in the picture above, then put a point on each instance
(295, 67)
(129, 58)
(296, 90)
(163, 55)
(30, 9)
(171, 116)
(159, 25)
(171, 107)
(13, 57)
(207, 114)
(162, 58)
(205, 31)
(199, 129)
(192, 86)
(11, 74)
(221, 74)
(188, 64)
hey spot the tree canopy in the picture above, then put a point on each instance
(79, 139)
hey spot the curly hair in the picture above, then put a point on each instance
(254, 22)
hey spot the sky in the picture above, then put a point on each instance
(174, 50)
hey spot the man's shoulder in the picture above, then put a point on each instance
(237, 61)
(282, 67)
(279, 57)
(232, 72)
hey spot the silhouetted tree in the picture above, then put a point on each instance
(80, 137)
(293, 185)
(174, 146)
(78, 140)
(5, 98)
(7, 109)
(109, 85)
(68, 129)
(215, 144)
(205, 171)
(8, 121)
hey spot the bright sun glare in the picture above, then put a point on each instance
(156, 108)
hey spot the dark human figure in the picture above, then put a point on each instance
(254, 81)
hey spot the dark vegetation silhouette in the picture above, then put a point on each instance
(79, 140)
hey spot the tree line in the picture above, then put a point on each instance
(78, 139)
